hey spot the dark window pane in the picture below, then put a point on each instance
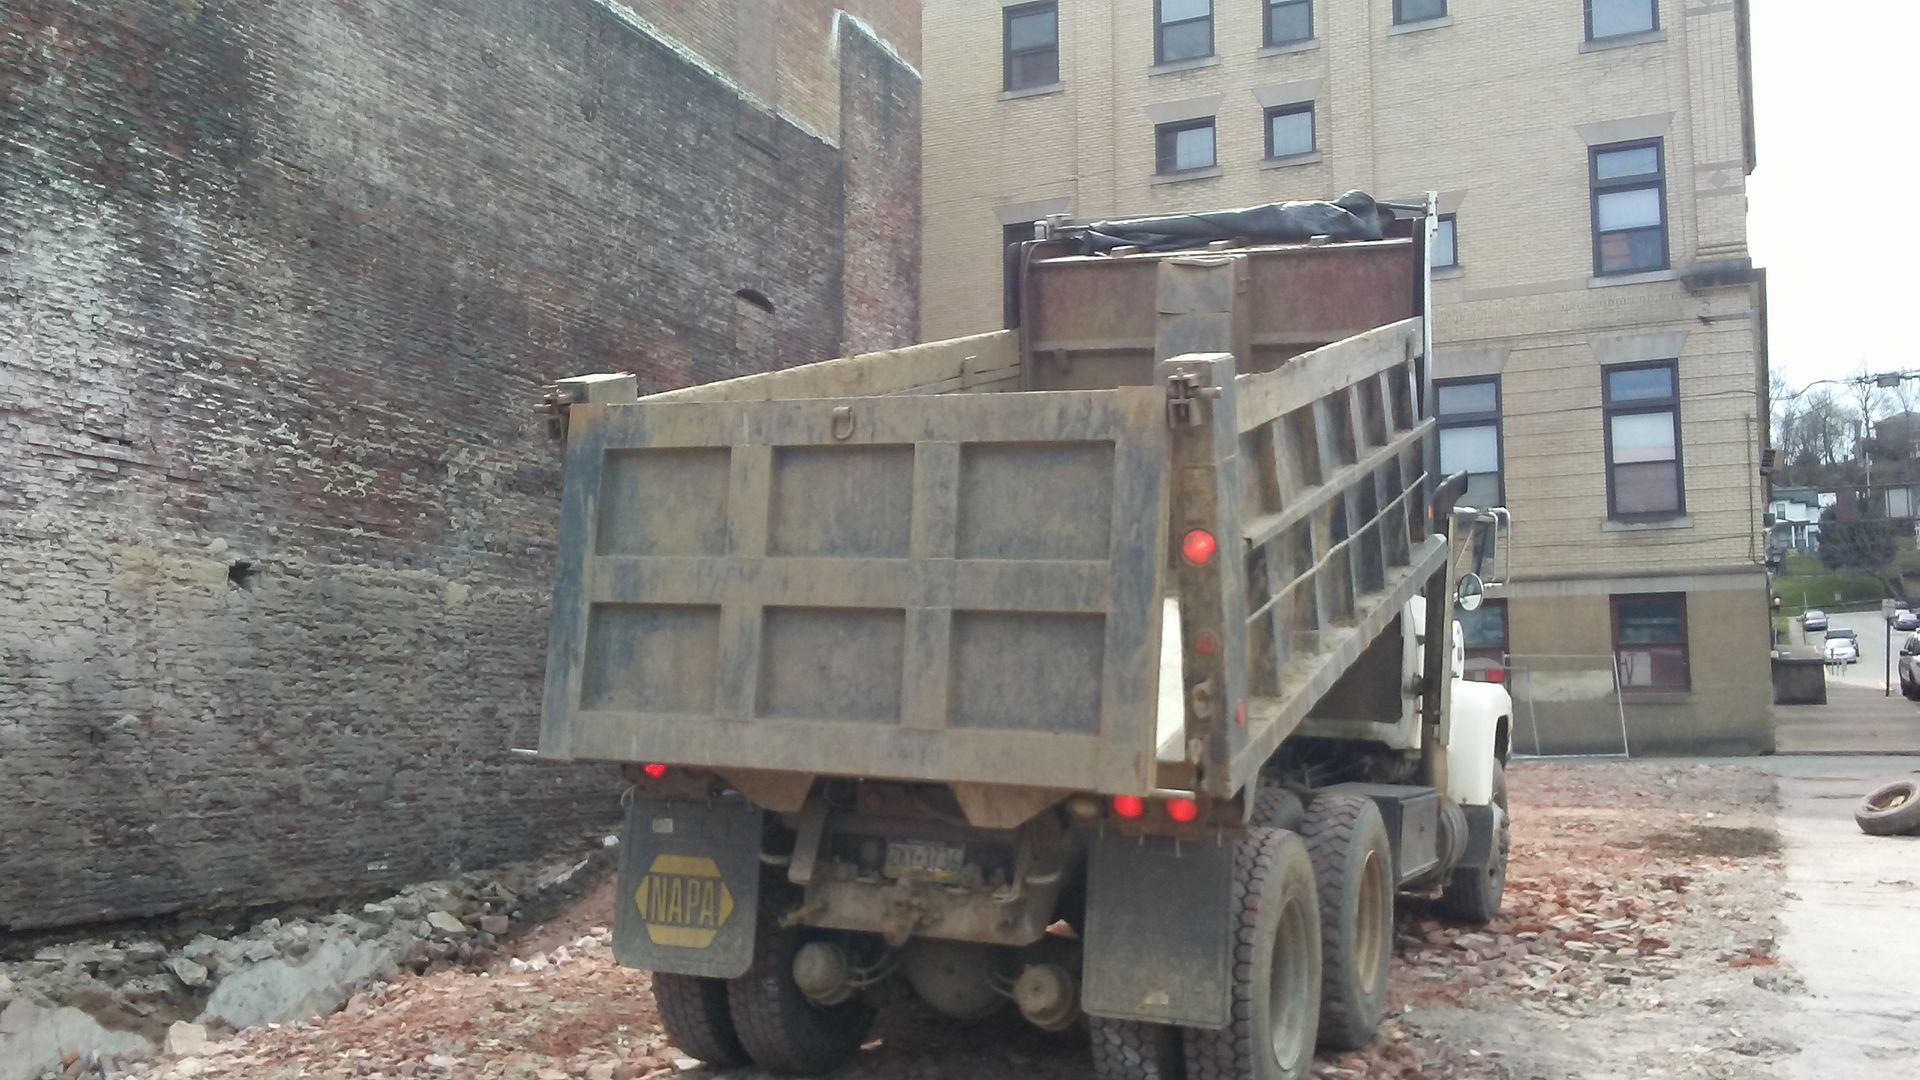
(1639, 249)
(1612, 18)
(1639, 161)
(1485, 628)
(1445, 249)
(1035, 29)
(1289, 22)
(1290, 133)
(1028, 70)
(1647, 488)
(1639, 384)
(1651, 620)
(1415, 10)
(1186, 41)
(1178, 10)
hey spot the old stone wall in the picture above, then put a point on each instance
(279, 283)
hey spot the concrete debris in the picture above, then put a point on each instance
(187, 971)
(446, 922)
(494, 924)
(186, 1039)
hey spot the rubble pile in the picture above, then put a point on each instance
(77, 1007)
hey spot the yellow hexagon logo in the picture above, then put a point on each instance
(683, 900)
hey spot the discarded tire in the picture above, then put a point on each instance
(1890, 810)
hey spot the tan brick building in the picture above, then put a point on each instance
(1599, 324)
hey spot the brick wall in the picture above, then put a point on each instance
(278, 285)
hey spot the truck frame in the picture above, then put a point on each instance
(1068, 666)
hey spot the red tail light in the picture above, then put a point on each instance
(1129, 806)
(654, 770)
(1198, 546)
(1496, 673)
(1182, 810)
(1205, 643)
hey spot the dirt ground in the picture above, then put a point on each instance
(1637, 940)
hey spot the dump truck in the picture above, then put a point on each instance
(1104, 667)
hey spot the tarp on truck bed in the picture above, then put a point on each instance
(1353, 216)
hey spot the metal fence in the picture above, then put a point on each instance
(1567, 706)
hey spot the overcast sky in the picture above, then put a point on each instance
(1834, 88)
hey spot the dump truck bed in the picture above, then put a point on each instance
(954, 562)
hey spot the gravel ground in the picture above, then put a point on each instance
(1636, 941)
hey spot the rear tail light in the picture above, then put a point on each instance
(1496, 673)
(1182, 810)
(1129, 806)
(654, 770)
(1198, 546)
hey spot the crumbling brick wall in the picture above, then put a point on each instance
(279, 283)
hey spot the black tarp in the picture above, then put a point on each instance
(1353, 216)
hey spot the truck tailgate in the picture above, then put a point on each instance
(960, 588)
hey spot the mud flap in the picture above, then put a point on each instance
(689, 888)
(1158, 945)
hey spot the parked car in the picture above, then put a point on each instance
(1899, 608)
(1910, 667)
(1904, 620)
(1842, 646)
(1814, 619)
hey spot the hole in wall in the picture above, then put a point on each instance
(756, 298)
(241, 572)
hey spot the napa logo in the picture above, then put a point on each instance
(683, 901)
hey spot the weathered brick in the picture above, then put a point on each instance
(280, 283)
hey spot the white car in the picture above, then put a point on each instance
(1842, 646)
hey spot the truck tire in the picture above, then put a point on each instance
(1275, 977)
(1889, 810)
(1131, 1050)
(1472, 893)
(1353, 872)
(697, 1018)
(779, 1027)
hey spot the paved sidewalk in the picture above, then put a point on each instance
(1851, 918)
(1856, 719)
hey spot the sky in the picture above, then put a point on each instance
(1835, 85)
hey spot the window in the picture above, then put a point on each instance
(1411, 11)
(1629, 208)
(1290, 130)
(1484, 633)
(1446, 242)
(1643, 440)
(1467, 412)
(1030, 50)
(1289, 21)
(1650, 641)
(1184, 146)
(1010, 235)
(1615, 18)
(1183, 30)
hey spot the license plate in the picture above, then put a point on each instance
(923, 860)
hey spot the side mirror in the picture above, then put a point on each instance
(1468, 595)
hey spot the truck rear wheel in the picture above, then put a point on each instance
(697, 1018)
(1353, 872)
(1472, 893)
(1130, 1050)
(1275, 978)
(779, 1027)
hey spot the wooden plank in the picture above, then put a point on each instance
(890, 372)
(1315, 375)
(1267, 526)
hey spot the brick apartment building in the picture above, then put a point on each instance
(1600, 328)
(279, 286)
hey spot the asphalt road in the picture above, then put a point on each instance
(1872, 669)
